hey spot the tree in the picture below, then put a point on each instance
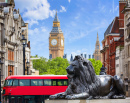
(40, 64)
(55, 66)
(97, 65)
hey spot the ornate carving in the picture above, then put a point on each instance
(85, 84)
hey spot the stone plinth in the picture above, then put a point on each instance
(90, 101)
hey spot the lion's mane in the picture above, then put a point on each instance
(87, 80)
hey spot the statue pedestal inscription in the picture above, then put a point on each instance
(90, 101)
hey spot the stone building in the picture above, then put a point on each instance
(125, 57)
(56, 40)
(12, 27)
(113, 37)
(97, 54)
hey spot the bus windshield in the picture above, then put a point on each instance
(8, 82)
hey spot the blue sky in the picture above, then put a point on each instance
(80, 21)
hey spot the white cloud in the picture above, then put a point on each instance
(72, 35)
(35, 9)
(62, 9)
(43, 29)
(39, 38)
(33, 32)
(78, 16)
(101, 8)
(116, 8)
(31, 22)
(69, 1)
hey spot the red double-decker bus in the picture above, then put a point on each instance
(33, 89)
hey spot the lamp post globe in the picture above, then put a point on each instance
(10, 71)
(23, 40)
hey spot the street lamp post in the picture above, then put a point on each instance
(10, 71)
(0, 77)
(28, 64)
(24, 43)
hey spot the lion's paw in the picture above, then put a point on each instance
(61, 96)
(105, 97)
(53, 97)
(69, 97)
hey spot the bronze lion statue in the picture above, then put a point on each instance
(85, 84)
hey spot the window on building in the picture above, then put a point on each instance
(10, 70)
(10, 55)
(97, 46)
(55, 24)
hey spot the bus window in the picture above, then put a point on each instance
(47, 82)
(62, 82)
(29, 99)
(5, 83)
(36, 82)
(8, 82)
(66, 82)
(54, 82)
(19, 99)
(15, 82)
(24, 82)
(12, 99)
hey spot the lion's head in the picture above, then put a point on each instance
(81, 72)
(80, 67)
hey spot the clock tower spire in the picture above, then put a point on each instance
(97, 54)
(56, 40)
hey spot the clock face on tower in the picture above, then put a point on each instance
(62, 43)
(54, 42)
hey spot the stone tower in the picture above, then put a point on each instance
(97, 54)
(56, 40)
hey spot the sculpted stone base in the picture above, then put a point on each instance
(127, 100)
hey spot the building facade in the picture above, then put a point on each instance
(113, 37)
(56, 40)
(125, 67)
(12, 27)
(97, 54)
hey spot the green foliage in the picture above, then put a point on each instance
(58, 65)
(36, 56)
(97, 65)
(55, 66)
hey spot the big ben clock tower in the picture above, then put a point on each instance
(56, 40)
